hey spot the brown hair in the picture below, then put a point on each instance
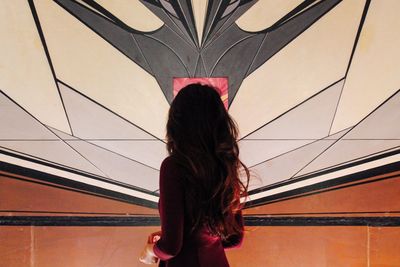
(202, 136)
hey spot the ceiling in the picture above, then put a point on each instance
(86, 86)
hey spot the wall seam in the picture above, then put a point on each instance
(32, 259)
(368, 247)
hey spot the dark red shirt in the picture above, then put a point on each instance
(177, 247)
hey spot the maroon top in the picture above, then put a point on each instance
(177, 247)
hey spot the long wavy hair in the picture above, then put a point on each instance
(202, 136)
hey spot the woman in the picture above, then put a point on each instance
(200, 189)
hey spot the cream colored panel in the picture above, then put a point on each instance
(374, 72)
(265, 13)
(133, 13)
(311, 62)
(85, 61)
(149, 152)
(199, 11)
(25, 74)
(253, 152)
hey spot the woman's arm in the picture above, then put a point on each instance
(235, 241)
(171, 208)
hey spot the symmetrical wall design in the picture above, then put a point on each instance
(86, 86)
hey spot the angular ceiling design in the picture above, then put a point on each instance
(86, 86)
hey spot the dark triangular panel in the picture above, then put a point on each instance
(185, 52)
(310, 120)
(119, 168)
(233, 5)
(277, 38)
(117, 36)
(91, 121)
(214, 51)
(169, 7)
(227, 21)
(200, 69)
(211, 16)
(235, 62)
(186, 8)
(159, 11)
(18, 124)
(158, 52)
(184, 30)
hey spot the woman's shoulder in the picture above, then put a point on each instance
(171, 171)
(171, 163)
(168, 161)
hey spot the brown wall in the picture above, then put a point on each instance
(375, 194)
(263, 246)
(274, 246)
(18, 193)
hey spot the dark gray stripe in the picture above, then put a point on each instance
(155, 221)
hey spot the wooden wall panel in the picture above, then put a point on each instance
(90, 246)
(302, 247)
(275, 246)
(384, 246)
(16, 246)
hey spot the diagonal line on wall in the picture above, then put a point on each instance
(43, 40)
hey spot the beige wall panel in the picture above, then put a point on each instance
(133, 13)
(254, 152)
(374, 72)
(264, 13)
(199, 12)
(301, 69)
(104, 74)
(25, 73)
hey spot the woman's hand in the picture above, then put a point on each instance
(154, 237)
(147, 256)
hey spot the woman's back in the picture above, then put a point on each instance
(179, 246)
(200, 185)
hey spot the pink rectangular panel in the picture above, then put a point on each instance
(220, 83)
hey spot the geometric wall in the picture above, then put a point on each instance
(86, 86)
